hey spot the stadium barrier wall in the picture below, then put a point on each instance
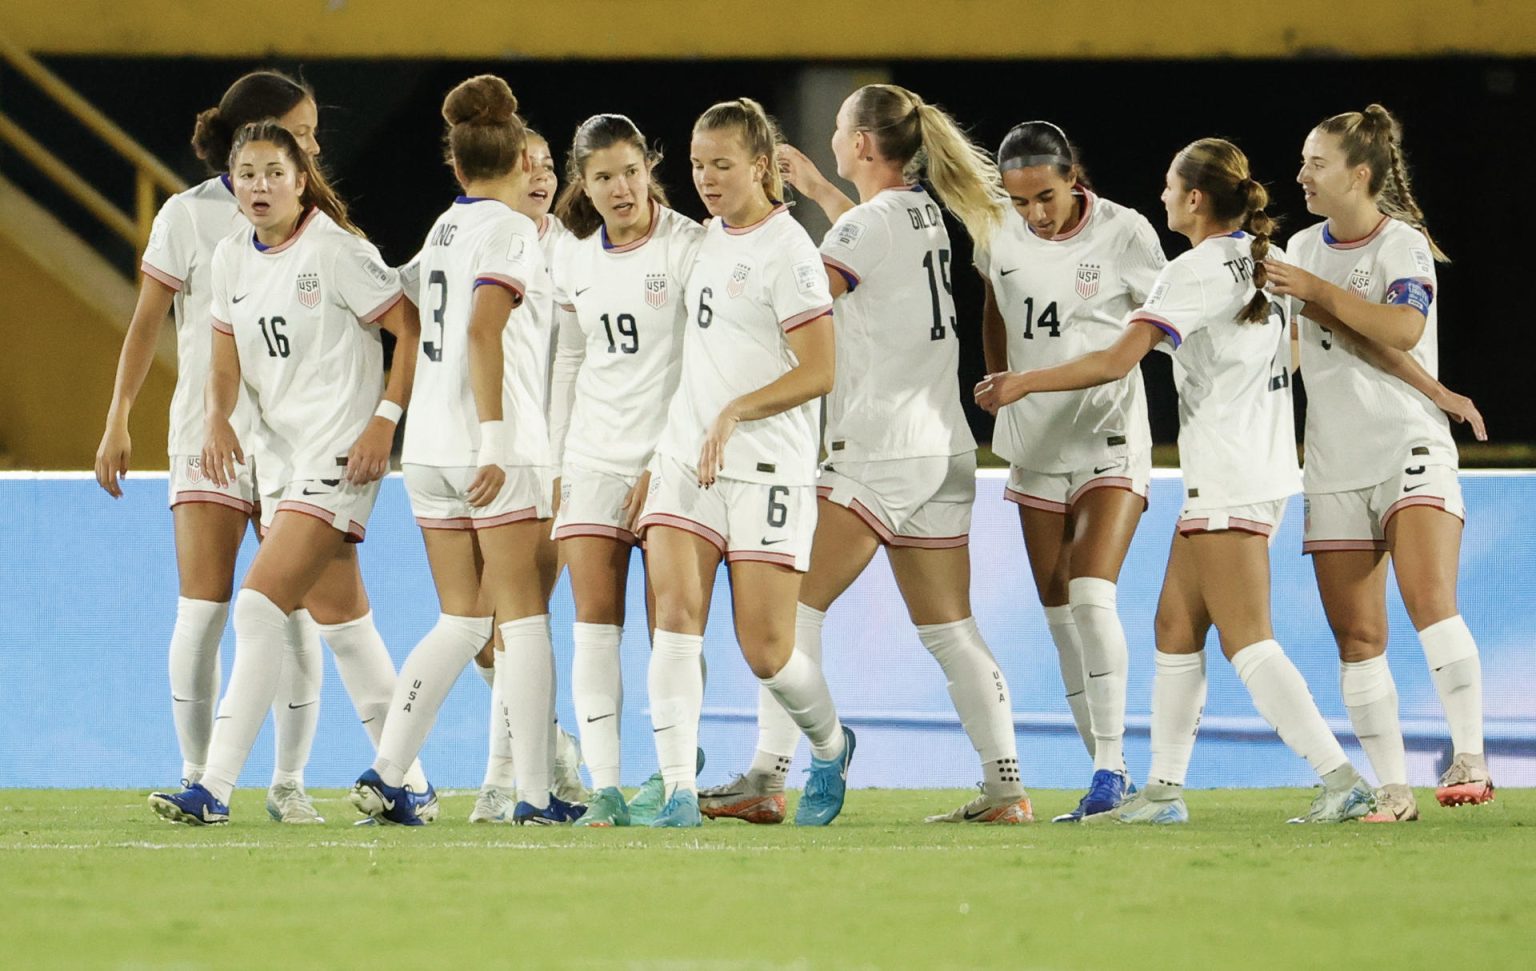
(88, 597)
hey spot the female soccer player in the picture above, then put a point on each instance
(620, 288)
(1237, 447)
(476, 457)
(735, 470)
(1380, 462)
(296, 296)
(901, 462)
(1060, 281)
(210, 520)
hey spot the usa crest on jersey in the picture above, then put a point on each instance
(1088, 275)
(656, 290)
(738, 281)
(1360, 280)
(309, 290)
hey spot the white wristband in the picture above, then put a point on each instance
(389, 411)
(493, 443)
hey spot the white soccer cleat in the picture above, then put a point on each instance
(493, 805)
(1394, 804)
(1466, 782)
(287, 802)
(569, 786)
(991, 810)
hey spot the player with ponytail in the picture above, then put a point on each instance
(1381, 465)
(901, 463)
(1237, 449)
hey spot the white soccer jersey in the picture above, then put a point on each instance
(1237, 437)
(1362, 423)
(748, 287)
(301, 315)
(180, 255)
(553, 238)
(476, 242)
(626, 338)
(1060, 299)
(898, 354)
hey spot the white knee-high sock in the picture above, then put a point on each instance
(597, 689)
(675, 682)
(980, 696)
(368, 674)
(530, 660)
(261, 640)
(1458, 675)
(500, 771)
(1178, 697)
(1370, 696)
(802, 690)
(194, 665)
(1280, 694)
(488, 675)
(1069, 652)
(777, 734)
(425, 679)
(296, 709)
(1106, 664)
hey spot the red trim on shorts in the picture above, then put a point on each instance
(452, 522)
(682, 523)
(884, 533)
(354, 533)
(382, 308)
(1108, 482)
(1035, 502)
(506, 518)
(1437, 502)
(1343, 546)
(160, 276)
(762, 556)
(1234, 524)
(214, 498)
(600, 530)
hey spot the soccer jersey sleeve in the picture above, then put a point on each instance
(797, 284)
(855, 245)
(172, 242)
(364, 283)
(410, 279)
(981, 258)
(1175, 305)
(1143, 259)
(1408, 268)
(686, 240)
(218, 291)
(507, 259)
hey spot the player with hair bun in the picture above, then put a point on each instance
(1060, 280)
(619, 289)
(735, 471)
(1237, 448)
(901, 463)
(297, 300)
(1381, 466)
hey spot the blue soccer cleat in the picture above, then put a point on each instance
(384, 803)
(557, 813)
(425, 803)
(194, 805)
(827, 786)
(1105, 793)
(680, 812)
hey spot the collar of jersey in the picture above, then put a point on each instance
(466, 200)
(778, 207)
(650, 231)
(274, 250)
(1328, 237)
(1088, 198)
(224, 178)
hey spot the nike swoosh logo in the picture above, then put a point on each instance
(771, 542)
(239, 298)
(184, 701)
(367, 720)
(219, 718)
(582, 290)
(294, 707)
(318, 492)
(1413, 487)
(1102, 675)
(599, 718)
(1003, 273)
(974, 815)
(1099, 471)
(389, 804)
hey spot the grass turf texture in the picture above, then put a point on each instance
(92, 879)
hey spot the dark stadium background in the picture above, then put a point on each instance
(1468, 134)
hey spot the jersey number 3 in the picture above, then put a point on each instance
(434, 349)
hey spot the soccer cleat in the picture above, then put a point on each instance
(994, 810)
(1106, 792)
(1340, 805)
(606, 809)
(568, 783)
(194, 805)
(752, 796)
(1143, 809)
(425, 803)
(680, 812)
(1466, 782)
(383, 803)
(557, 813)
(493, 805)
(287, 802)
(1394, 804)
(827, 787)
(648, 802)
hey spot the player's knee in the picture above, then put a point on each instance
(1428, 602)
(1360, 640)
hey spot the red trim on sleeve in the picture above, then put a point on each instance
(511, 283)
(383, 308)
(848, 272)
(1161, 323)
(160, 276)
(800, 320)
(223, 328)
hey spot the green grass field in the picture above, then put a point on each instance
(92, 879)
